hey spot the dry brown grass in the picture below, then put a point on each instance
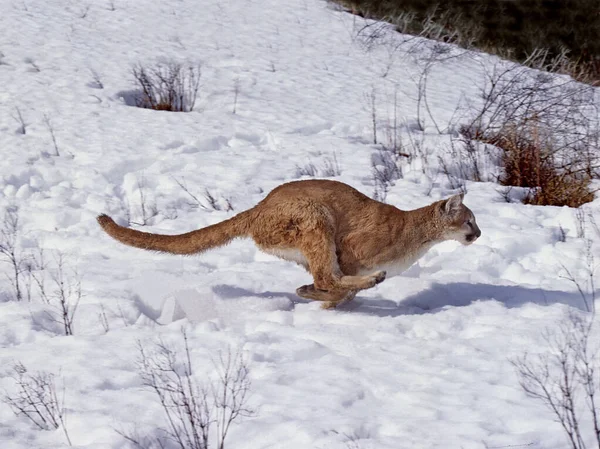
(530, 158)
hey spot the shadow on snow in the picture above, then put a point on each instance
(432, 299)
(458, 294)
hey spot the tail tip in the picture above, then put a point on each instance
(104, 220)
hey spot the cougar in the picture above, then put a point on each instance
(344, 239)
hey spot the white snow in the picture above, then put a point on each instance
(420, 361)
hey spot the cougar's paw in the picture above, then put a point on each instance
(310, 292)
(305, 291)
(379, 276)
(376, 278)
(330, 305)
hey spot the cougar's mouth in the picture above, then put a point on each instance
(472, 237)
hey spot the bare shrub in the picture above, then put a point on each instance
(66, 294)
(211, 201)
(50, 128)
(217, 203)
(426, 56)
(567, 368)
(103, 319)
(18, 116)
(38, 399)
(585, 286)
(236, 93)
(329, 169)
(62, 292)
(97, 80)
(547, 129)
(12, 253)
(466, 159)
(371, 103)
(34, 67)
(29, 269)
(594, 224)
(167, 87)
(564, 373)
(392, 129)
(353, 442)
(83, 11)
(580, 222)
(386, 169)
(309, 169)
(561, 233)
(148, 208)
(142, 211)
(197, 414)
(393, 132)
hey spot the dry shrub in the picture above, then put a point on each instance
(167, 87)
(531, 158)
(547, 129)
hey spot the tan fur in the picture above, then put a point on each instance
(343, 238)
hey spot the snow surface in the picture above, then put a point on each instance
(421, 361)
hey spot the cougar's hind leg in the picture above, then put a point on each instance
(333, 304)
(319, 249)
(310, 292)
(331, 299)
(330, 284)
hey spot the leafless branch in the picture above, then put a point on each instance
(586, 286)
(97, 80)
(192, 408)
(52, 134)
(33, 64)
(147, 205)
(371, 99)
(11, 252)
(566, 370)
(38, 400)
(330, 168)
(18, 116)
(64, 295)
(236, 92)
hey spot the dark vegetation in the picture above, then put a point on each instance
(565, 32)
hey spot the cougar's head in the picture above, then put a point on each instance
(459, 221)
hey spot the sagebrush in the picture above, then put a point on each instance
(167, 86)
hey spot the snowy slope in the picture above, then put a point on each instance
(421, 361)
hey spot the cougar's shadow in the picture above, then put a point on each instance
(226, 292)
(458, 294)
(430, 300)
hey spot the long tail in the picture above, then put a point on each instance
(189, 243)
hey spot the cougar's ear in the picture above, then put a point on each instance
(452, 205)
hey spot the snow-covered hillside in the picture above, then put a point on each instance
(420, 361)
